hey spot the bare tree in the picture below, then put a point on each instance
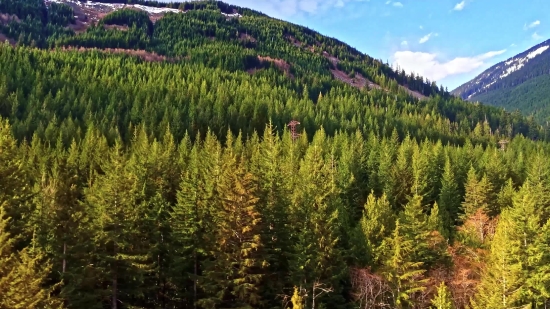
(370, 290)
(319, 289)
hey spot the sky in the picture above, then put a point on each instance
(447, 41)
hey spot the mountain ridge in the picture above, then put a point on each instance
(495, 85)
(91, 12)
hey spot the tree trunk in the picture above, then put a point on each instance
(64, 256)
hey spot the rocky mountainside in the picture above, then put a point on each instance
(520, 82)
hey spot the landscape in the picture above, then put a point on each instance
(205, 155)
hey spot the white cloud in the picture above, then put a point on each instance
(531, 25)
(421, 27)
(309, 6)
(339, 4)
(429, 66)
(427, 37)
(536, 36)
(460, 6)
(404, 43)
(513, 45)
(398, 4)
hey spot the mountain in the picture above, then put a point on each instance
(519, 83)
(202, 155)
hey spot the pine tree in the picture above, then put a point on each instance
(436, 221)
(502, 278)
(193, 218)
(376, 225)
(415, 227)
(272, 204)
(538, 176)
(23, 275)
(475, 205)
(120, 257)
(449, 197)
(477, 195)
(533, 251)
(443, 299)
(232, 280)
(506, 194)
(62, 225)
(404, 275)
(317, 254)
(15, 187)
(496, 173)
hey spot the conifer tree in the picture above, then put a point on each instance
(533, 251)
(415, 227)
(502, 278)
(538, 176)
(233, 278)
(449, 197)
(120, 256)
(192, 217)
(506, 195)
(436, 221)
(496, 173)
(477, 196)
(62, 223)
(376, 225)
(23, 275)
(443, 299)
(15, 187)
(317, 253)
(272, 204)
(404, 274)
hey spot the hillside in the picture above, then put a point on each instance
(519, 83)
(148, 159)
(222, 21)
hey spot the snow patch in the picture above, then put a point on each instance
(233, 15)
(537, 52)
(489, 85)
(520, 62)
(154, 10)
(91, 4)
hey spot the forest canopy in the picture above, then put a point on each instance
(149, 164)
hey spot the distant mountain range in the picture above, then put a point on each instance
(519, 83)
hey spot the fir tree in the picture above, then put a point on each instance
(477, 195)
(23, 275)
(443, 299)
(502, 278)
(404, 275)
(376, 225)
(449, 197)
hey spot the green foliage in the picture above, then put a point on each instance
(177, 184)
(443, 298)
(23, 275)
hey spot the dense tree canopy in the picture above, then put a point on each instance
(130, 183)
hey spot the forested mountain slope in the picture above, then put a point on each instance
(519, 83)
(146, 162)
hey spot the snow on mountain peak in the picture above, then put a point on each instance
(486, 80)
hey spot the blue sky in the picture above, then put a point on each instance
(449, 41)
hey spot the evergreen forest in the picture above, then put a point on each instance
(152, 165)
